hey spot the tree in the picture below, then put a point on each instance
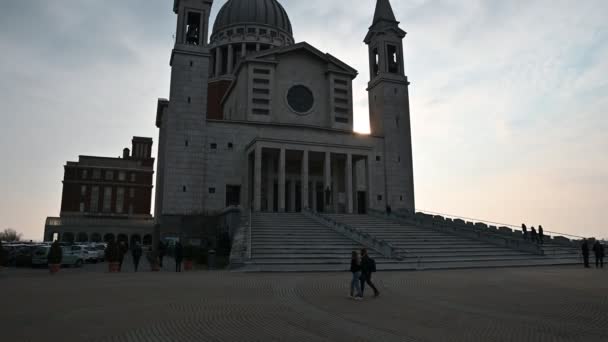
(10, 235)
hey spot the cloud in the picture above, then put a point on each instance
(507, 97)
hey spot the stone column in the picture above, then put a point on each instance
(257, 180)
(305, 202)
(348, 170)
(218, 61)
(368, 177)
(257, 47)
(270, 183)
(292, 195)
(243, 50)
(230, 58)
(327, 178)
(282, 181)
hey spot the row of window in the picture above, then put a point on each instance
(108, 175)
(251, 30)
(380, 198)
(107, 199)
(213, 146)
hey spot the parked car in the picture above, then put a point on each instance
(71, 257)
(101, 249)
(93, 254)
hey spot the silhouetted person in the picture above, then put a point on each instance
(585, 250)
(368, 266)
(162, 250)
(179, 256)
(524, 231)
(136, 252)
(598, 250)
(389, 210)
(122, 250)
(355, 269)
(533, 235)
(541, 235)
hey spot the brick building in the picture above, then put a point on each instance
(107, 198)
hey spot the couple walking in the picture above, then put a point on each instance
(362, 268)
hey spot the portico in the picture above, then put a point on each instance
(295, 176)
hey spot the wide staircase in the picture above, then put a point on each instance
(289, 242)
(427, 248)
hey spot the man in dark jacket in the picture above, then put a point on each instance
(585, 250)
(598, 250)
(137, 252)
(162, 250)
(179, 256)
(541, 235)
(367, 267)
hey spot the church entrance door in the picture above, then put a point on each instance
(361, 203)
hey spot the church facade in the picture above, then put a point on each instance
(257, 120)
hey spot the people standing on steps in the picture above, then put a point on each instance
(355, 269)
(541, 235)
(524, 231)
(533, 235)
(368, 266)
(585, 251)
(179, 256)
(136, 252)
(598, 250)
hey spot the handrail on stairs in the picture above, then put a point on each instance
(249, 243)
(363, 237)
(494, 223)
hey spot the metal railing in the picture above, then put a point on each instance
(249, 234)
(362, 237)
(487, 236)
(508, 225)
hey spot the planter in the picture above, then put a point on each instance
(188, 265)
(113, 267)
(54, 268)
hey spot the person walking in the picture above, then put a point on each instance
(179, 256)
(162, 250)
(355, 269)
(524, 231)
(541, 235)
(136, 252)
(122, 251)
(585, 250)
(598, 250)
(368, 266)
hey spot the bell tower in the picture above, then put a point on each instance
(389, 105)
(182, 122)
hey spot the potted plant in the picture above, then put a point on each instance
(113, 257)
(55, 257)
(153, 260)
(188, 257)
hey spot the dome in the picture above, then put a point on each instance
(253, 12)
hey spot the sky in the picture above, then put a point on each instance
(508, 98)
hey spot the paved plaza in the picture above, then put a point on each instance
(519, 304)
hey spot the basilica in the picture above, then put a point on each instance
(260, 121)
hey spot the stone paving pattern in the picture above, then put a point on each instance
(515, 304)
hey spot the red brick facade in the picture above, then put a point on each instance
(114, 181)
